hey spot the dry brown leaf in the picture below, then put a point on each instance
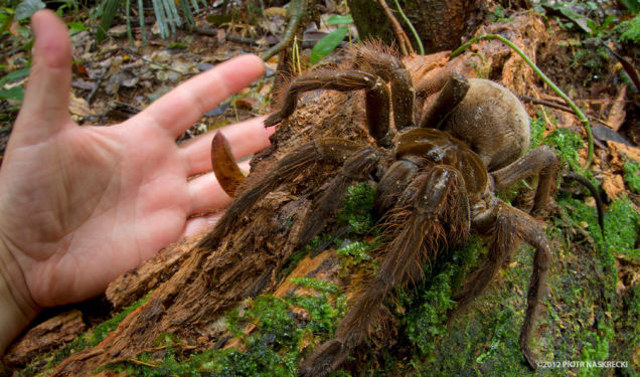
(617, 114)
(612, 184)
(273, 11)
(79, 107)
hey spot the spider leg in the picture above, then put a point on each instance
(512, 225)
(416, 230)
(449, 97)
(391, 69)
(377, 98)
(224, 165)
(356, 167)
(541, 160)
(530, 232)
(393, 182)
(330, 150)
(503, 242)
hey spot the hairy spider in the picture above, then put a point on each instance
(436, 182)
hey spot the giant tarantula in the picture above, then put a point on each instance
(436, 182)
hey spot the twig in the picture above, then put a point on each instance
(413, 30)
(11, 52)
(95, 88)
(547, 80)
(539, 101)
(403, 40)
(300, 8)
(140, 362)
(556, 105)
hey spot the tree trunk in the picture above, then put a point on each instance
(441, 24)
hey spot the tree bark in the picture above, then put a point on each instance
(441, 24)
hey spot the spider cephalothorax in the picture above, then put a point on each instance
(437, 178)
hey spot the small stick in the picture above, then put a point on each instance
(403, 39)
(413, 30)
(299, 8)
(555, 105)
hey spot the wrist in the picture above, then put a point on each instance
(17, 308)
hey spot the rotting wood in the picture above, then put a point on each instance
(199, 286)
(50, 334)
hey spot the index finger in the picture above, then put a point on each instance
(183, 106)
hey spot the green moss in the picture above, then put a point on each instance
(427, 307)
(427, 322)
(597, 348)
(630, 30)
(622, 227)
(577, 324)
(632, 176)
(537, 127)
(271, 348)
(593, 282)
(567, 144)
(628, 342)
(102, 330)
(537, 130)
(481, 341)
(356, 213)
(97, 335)
(357, 252)
(316, 284)
(621, 224)
(582, 215)
(358, 207)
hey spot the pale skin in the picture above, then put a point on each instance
(81, 205)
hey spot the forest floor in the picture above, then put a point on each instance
(592, 309)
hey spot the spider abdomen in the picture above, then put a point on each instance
(493, 121)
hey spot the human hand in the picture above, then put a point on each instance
(81, 205)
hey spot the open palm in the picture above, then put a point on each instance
(81, 205)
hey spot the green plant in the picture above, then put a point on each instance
(168, 15)
(329, 42)
(270, 334)
(498, 15)
(15, 93)
(567, 143)
(537, 130)
(632, 6)
(92, 338)
(102, 330)
(357, 250)
(71, 5)
(630, 30)
(27, 8)
(357, 208)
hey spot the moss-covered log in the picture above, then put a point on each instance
(256, 304)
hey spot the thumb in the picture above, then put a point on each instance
(45, 109)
